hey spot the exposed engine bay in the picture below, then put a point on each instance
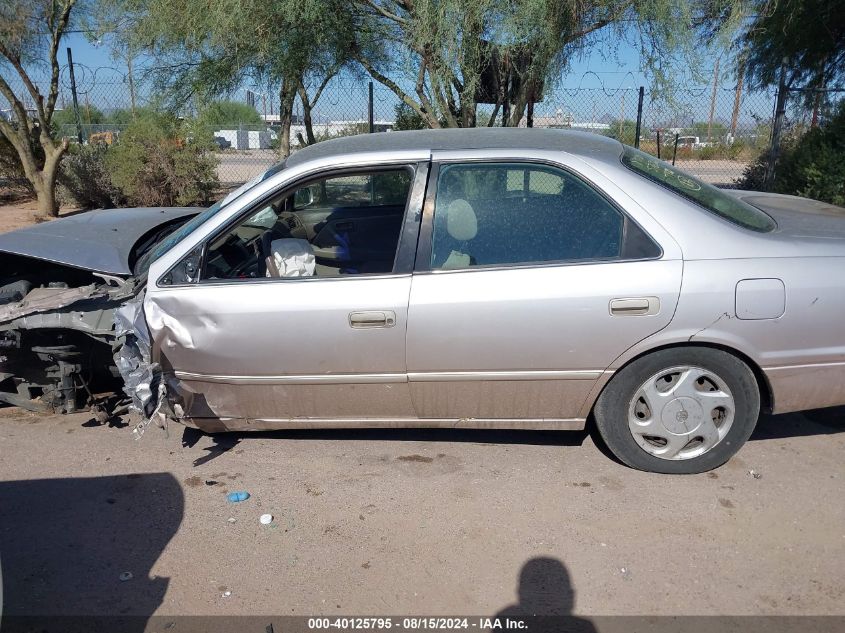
(57, 335)
(61, 348)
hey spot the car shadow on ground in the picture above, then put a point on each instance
(77, 553)
(224, 442)
(816, 422)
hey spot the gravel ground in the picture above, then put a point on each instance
(412, 521)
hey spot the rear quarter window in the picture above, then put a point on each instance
(705, 195)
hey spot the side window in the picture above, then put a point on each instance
(518, 213)
(339, 225)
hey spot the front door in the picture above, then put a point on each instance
(300, 312)
(529, 283)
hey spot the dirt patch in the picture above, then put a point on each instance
(22, 213)
(415, 458)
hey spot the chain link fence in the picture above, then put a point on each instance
(713, 133)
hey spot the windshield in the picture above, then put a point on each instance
(186, 229)
(711, 198)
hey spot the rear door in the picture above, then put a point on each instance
(530, 280)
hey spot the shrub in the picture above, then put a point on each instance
(708, 152)
(11, 170)
(160, 161)
(85, 180)
(735, 150)
(811, 164)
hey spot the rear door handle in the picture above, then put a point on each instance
(635, 306)
(372, 318)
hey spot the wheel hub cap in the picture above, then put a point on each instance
(681, 412)
(681, 416)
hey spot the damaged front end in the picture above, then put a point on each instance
(72, 340)
(143, 381)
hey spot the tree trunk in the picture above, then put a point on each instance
(44, 181)
(287, 93)
(310, 139)
(46, 196)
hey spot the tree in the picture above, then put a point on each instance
(454, 51)
(717, 129)
(807, 36)
(90, 115)
(31, 32)
(623, 130)
(407, 119)
(208, 49)
(219, 114)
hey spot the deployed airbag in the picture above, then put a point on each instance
(291, 257)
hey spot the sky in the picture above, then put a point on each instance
(596, 87)
(592, 71)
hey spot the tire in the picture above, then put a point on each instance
(682, 410)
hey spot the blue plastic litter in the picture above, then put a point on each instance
(235, 497)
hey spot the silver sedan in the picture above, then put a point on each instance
(506, 278)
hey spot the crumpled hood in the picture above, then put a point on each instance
(99, 241)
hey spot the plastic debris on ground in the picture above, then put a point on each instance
(237, 497)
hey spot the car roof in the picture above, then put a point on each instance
(570, 141)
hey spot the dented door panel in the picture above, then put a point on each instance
(283, 349)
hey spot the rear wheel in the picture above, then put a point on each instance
(679, 410)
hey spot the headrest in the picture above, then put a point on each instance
(461, 222)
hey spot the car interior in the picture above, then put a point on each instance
(509, 213)
(341, 225)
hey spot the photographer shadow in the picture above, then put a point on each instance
(546, 600)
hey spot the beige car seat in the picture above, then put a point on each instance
(462, 226)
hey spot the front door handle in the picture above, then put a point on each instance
(635, 306)
(372, 318)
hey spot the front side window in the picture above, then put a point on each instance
(339, 225)
(711, 198)
(143, 263)
(520, 213)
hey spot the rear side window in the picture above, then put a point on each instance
(489, 214)
(711, 198)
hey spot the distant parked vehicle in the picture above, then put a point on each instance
(691, 142)
(222, 142)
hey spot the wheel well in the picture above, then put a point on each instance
(766, 395)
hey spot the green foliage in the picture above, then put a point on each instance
(624, 131)
(454, 52)
(709, 152)
(810, 34)
(717, 130)
(217, 46)
(11, 170)
(407, 119)
(810, 164)
(736, 149)
(160, 161)
(85, 178)
(218, 114)
(87, 115)
(123, 116)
